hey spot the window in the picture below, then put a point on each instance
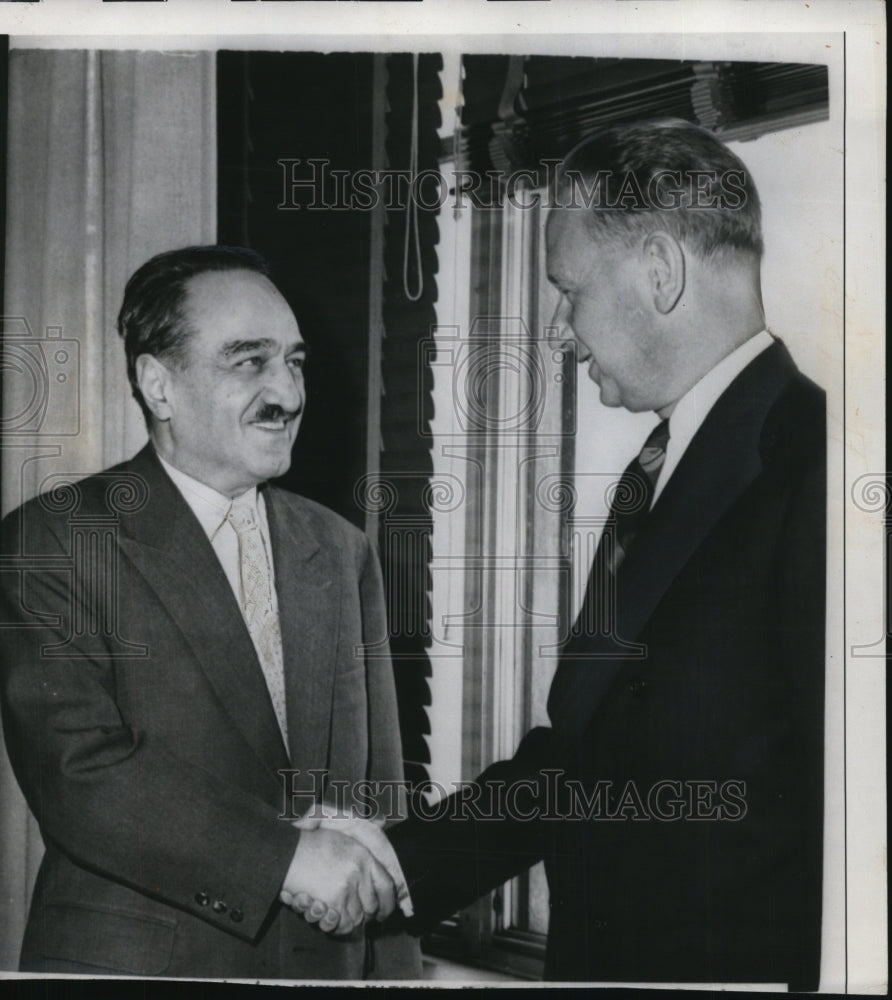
(502, 401)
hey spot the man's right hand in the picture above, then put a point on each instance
(335, 881)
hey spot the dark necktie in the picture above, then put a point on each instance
(630, 505)
(634, 496)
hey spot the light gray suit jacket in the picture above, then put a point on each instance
(141, 731)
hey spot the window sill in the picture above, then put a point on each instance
(436, 969)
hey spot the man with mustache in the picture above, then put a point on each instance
(676, 798)
(189, 651)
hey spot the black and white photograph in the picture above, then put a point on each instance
(444, 510)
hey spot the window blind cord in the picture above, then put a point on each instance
(412, 207)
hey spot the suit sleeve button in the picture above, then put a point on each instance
(219, 906)
(202, 898)
(236, 916)
(636, 685)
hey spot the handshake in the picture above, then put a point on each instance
(344, 872)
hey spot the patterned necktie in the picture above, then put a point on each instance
(631, 503)
(597, 617)
(259, 605)
(635, 493)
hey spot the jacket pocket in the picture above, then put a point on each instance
(108, 937)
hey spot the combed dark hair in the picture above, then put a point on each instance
(152, 319)
(669, 174)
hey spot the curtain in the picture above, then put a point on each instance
(404, 499)
(111, 159)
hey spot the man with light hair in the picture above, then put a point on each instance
(677, 797)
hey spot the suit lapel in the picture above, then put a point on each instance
(721, 461)
(309, 610)
(167, 545)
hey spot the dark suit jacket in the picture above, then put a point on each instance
(724, 584)
(141, 731)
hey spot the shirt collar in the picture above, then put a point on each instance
(693, 406)
(209, 506)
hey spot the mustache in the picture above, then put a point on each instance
(272, 411)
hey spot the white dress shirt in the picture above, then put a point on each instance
(211, 508)
(695, 404)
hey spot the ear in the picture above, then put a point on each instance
(153, 379)
(665, 263)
